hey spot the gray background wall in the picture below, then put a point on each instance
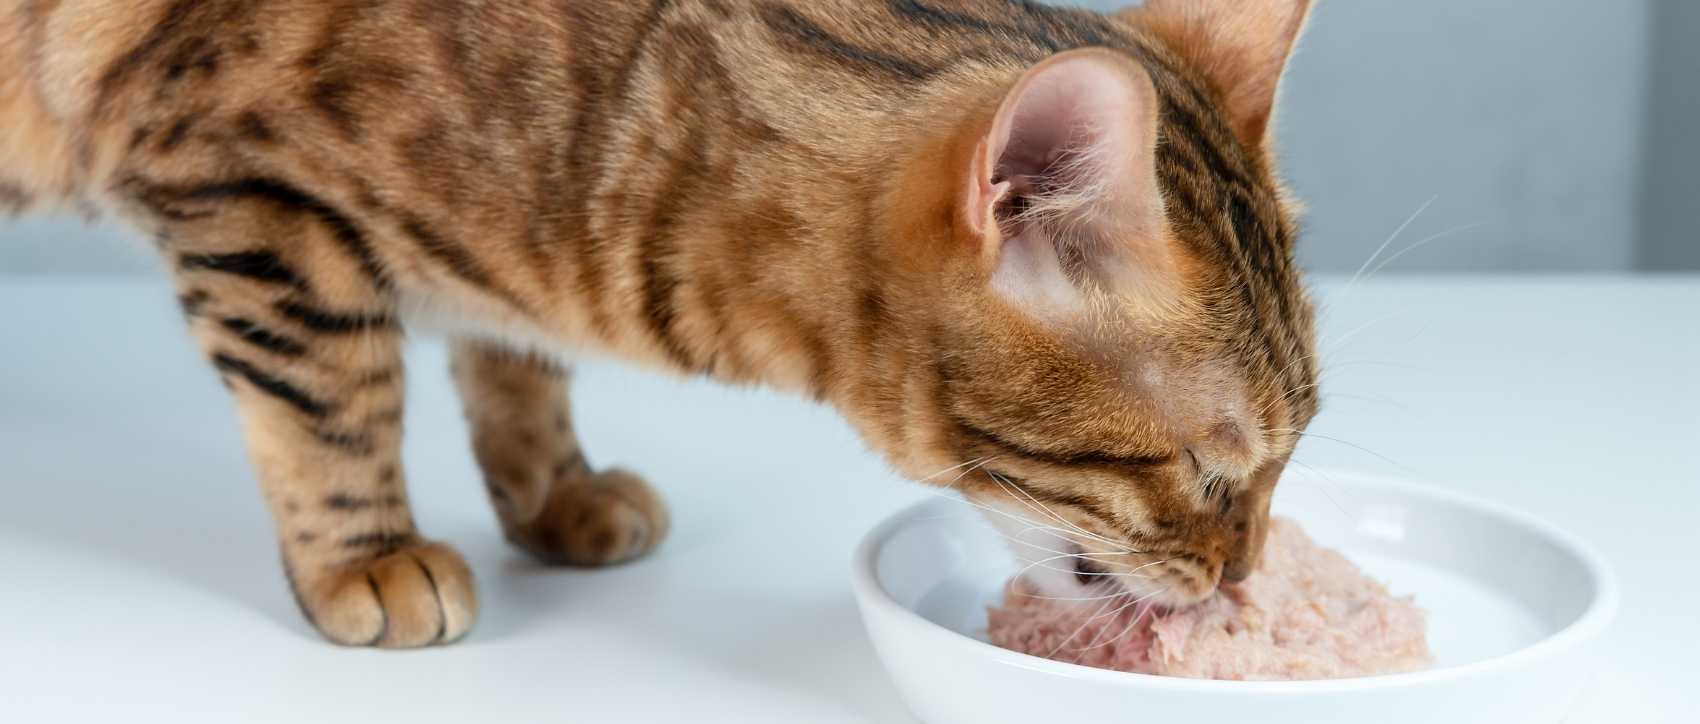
(1672, 181)
(1554, 133)
(1521, 116)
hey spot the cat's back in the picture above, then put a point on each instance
(442, 88)
(93, 88)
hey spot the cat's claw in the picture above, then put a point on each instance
(418, 595)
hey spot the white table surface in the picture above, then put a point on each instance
(138, 579)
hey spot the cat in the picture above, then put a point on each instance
(1037, 255)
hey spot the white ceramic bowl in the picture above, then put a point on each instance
(1515, 608)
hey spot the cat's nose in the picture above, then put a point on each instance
(1235, 572)
(1244, 557)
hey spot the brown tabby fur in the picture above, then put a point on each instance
(762, 191)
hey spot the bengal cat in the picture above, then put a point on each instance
(1044, 249)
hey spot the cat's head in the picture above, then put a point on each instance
(1122, 354)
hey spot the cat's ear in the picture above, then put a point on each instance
(1240, 46)
(1063, 185)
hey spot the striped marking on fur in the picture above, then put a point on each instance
(278, 388)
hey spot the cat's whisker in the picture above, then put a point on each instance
(1015, 541)
(1057, 555)
(1097, 574)
(1018, 518)
(1384, 245)
(1323, 489)
(1082, 627)
(1015, 490)
(1072, 599)
(1290, 365)
(1154, 563)
(976, 466)
(1354, 446)
(1330, 368)
(1085, 554)
(1036, 546)
(1390, 402)
(957, 466)
(1103, 576)
(1031, 503)
(1045, 564)
(1133, 602)
(1338, 344)
(1138, 615)
(1423, 243)
(1081, 652)
(1128, 574)
(1336, 366)
(1126, 631)
(1330, 372)
(1023, 498)
(1265, 410)
(1082, 554)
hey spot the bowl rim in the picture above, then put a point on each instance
(1598, 616)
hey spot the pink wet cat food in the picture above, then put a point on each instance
(1306, 613)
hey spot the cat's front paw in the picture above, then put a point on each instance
(611, 518)
(421, 594)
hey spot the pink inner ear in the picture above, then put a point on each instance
(1071, 145)
(1072, 106)
(1064, 185)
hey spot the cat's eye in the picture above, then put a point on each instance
(1213, 486)
(1216, 488)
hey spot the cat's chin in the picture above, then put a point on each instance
(1145, 594)
(1171, 598)
(1047, 562)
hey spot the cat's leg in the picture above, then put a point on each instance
(549, 500)
(316, 370)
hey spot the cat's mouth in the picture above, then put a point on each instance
(1161, 582)
(1073, 559)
